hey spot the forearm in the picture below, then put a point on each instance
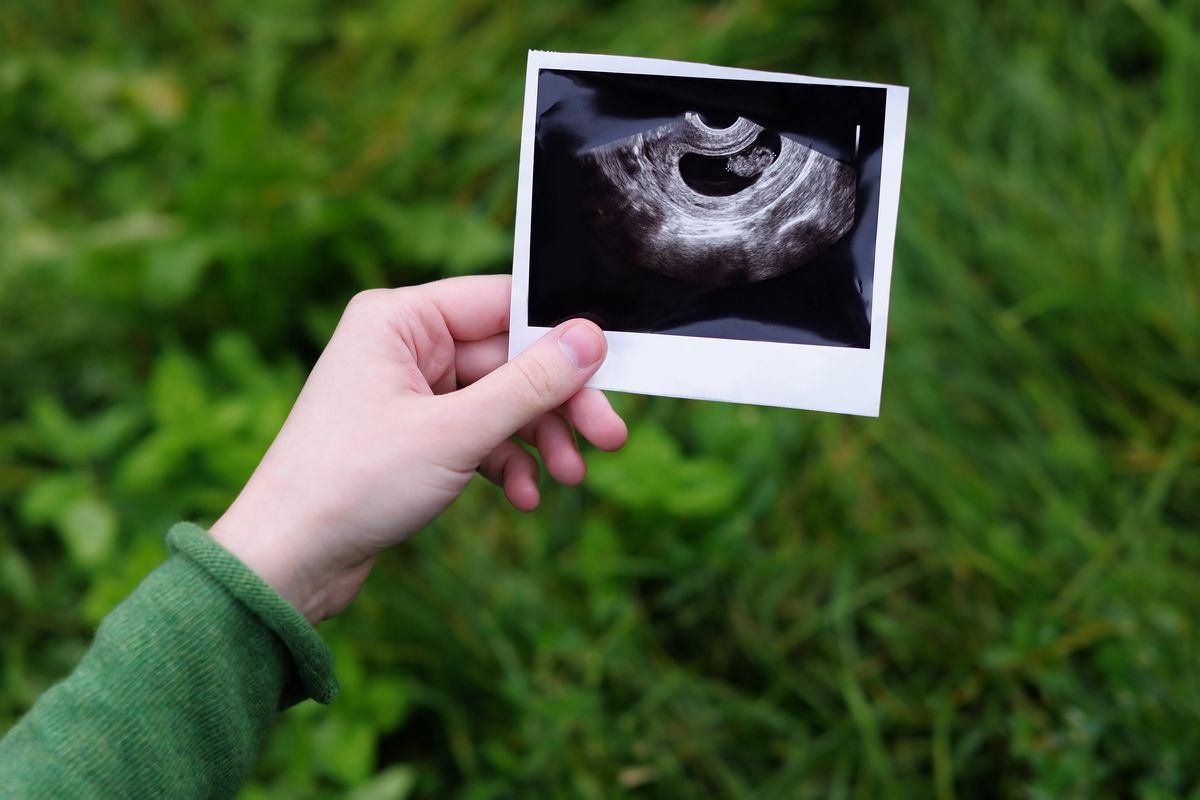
(178, 690)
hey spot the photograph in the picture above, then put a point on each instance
(701, 214)
(393, 409)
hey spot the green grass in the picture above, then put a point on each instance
(993, 590)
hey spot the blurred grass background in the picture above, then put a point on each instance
(991, 591)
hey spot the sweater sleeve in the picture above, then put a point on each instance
(177, 691)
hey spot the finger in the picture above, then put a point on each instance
(590, 413)
(556, 442)
(474, 307)
(447, 382)
(473, 360)
(538, 380)
(528, 432)
(512, 468)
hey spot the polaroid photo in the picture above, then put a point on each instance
(730, 230)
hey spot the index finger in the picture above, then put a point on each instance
(474, 306)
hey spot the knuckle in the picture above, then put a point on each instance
(367, 302)
(536, 378)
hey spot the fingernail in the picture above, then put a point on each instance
(582, 345)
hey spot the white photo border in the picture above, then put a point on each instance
(845, 380)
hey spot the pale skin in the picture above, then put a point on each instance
(410, 398)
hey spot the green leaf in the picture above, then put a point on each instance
(106, 432)
(57, 431)
(599, 550)
(16, 577)
(177, 393)
(442, 235)
(651, 474)
(387, 702)
(394, 783)
(174, 270)
(345, 750)
(154, 460)
(234, 354)
(702, 488)
(88, 528)
(44, 501)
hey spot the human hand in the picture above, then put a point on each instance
(411, 396)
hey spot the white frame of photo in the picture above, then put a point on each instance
(846, 380)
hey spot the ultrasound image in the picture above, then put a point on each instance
(704, 207)
(718, 206)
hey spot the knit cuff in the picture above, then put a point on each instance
(311, 657)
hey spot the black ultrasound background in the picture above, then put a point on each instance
(826, 301)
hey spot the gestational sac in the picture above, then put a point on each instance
(717, 206)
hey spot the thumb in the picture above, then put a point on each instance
(540, 379)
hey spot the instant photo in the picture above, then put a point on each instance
(719, 224)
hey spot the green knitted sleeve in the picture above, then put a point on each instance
(177, 691)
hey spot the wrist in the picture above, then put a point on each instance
(264, 531)
(259, 547)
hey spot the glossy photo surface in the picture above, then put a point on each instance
(720, 208)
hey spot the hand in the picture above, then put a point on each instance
(412, 396)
